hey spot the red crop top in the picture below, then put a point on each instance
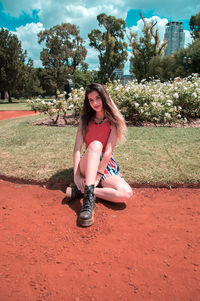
(98, 132)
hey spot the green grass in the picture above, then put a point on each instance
(149, 155)
(161, 155)
(16, 105)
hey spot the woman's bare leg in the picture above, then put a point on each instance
(90, 162)
(114, 189)
(88, 167)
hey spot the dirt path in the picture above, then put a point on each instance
(149, 250)
(14, 114)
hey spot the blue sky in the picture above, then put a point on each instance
(28, 17)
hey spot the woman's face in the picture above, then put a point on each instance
(95, 101)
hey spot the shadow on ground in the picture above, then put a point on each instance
(60, 180)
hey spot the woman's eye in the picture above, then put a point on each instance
(97, 98)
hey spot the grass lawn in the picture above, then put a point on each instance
(149, 155)
(16, 105)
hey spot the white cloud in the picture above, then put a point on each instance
(92, 56)
(176, 9)
(29, 40)
(50, 9)
(28, 37)
(85, 17)
(92, 59)
(83, 14)
(161, 23)
(15, 8)
(188, 38)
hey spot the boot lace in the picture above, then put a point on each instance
(87, 202)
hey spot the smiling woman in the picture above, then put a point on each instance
(96, 173)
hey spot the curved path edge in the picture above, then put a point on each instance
(59, 184)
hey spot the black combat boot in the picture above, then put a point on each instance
(86, 217)
(73, 193)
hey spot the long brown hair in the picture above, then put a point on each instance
(112, 113)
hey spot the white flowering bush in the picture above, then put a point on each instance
(153, 101)
(185, 95)
(76, 100)
(52, 107)
(158, 102)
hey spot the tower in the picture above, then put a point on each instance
(175, 36)
(119, 73)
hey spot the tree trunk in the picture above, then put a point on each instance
(65, 118)
(2, 95)
(9, 97)
(56, 95)
(56, 120)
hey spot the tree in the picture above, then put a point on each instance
(64, 52)
(194, 53)
(165, 68)
(145, 48)
(83, 78)
(171, 66)
(110, 45)
(45, 82)
(32, 86)
(12, 60)
(195, 26)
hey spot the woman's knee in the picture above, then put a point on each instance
(126, 193)
(95, 146)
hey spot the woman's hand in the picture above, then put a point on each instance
(80, 182)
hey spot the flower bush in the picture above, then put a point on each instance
(52, 107)
(157, 102)
(76, 100)
(152, 101)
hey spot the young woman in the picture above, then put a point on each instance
(96, 174)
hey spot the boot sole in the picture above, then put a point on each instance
(86, 223)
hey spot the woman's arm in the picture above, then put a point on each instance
(77, 154)
(112, 140)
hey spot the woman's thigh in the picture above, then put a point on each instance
(121, 187)
(116, 182)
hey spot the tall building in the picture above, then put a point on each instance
(119, 73)
(131, 67)
(175, 36)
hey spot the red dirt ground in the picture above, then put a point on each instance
(14, 114)
(147, 250)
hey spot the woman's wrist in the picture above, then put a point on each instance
(99, 173)
(76, 175)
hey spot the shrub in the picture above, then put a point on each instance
(153, 101)
(52, 107)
